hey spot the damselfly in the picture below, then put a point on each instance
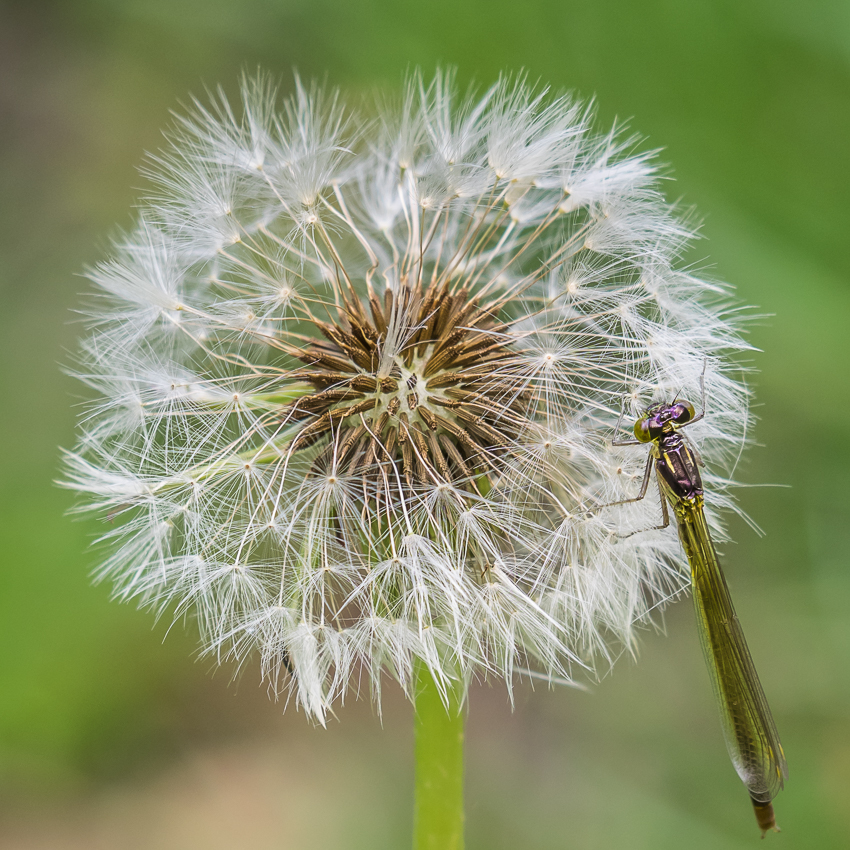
(750, 732)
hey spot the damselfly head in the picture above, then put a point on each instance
(662, 418)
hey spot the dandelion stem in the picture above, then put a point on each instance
(438, 810)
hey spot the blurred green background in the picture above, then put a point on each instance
(112, 737)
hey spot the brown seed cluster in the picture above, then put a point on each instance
(442, 407)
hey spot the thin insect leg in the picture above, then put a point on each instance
(622, 414)
(626, 443)
(647, 471)
(629, 442)
(664, 513)
(702, 393)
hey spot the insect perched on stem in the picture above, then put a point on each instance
(750, 732)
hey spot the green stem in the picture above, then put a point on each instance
(438, 811)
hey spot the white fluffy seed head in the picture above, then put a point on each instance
(358, 380)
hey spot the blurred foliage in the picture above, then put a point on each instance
(751, 102)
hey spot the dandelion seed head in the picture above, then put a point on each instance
(357, 383)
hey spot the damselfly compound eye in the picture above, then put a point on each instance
(647, 429)
(682, 412)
